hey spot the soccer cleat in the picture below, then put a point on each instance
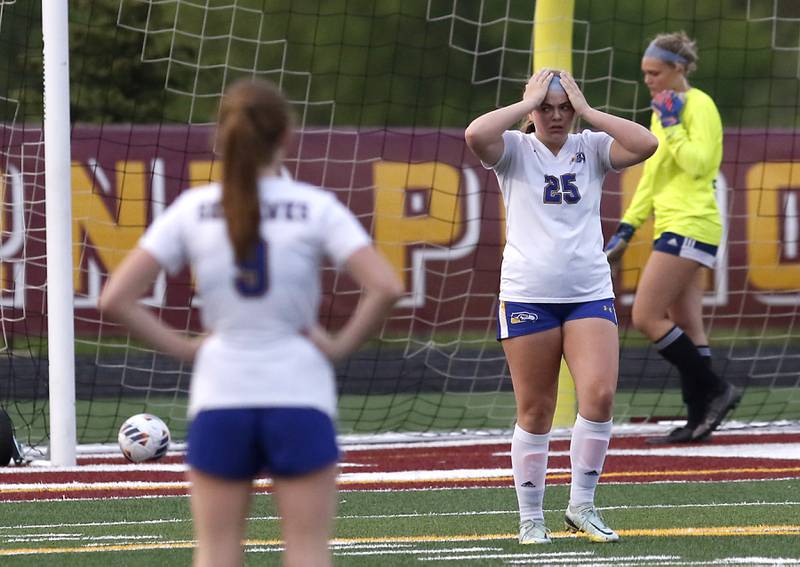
(718, 408)
(586, 519)
(533, 532)
(682, 434)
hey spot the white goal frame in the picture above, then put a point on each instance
(58, 203)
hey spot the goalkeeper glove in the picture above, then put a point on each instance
(619, 242)
(668, 105)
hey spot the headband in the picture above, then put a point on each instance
(555, 84)
(664, 54)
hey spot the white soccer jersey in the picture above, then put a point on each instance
(256, 354)
(554, 241)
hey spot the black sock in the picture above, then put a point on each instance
(694, 368)
(695, 400)
(705, 352)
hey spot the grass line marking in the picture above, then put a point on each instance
(718, 531)
(376, 478)
(397, 516)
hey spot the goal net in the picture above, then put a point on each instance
(382, 93)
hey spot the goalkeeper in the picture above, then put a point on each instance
(677, 187)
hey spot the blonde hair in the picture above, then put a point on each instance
(254, 119)
(680, 44)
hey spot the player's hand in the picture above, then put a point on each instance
(189, 348)
(668, 105)
(618, 243)
(536, 89)
(576, 98)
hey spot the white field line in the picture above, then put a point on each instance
(140, 467)
(565, 557)
(418, 551)
(344, 479)
(563, 560)
(788, 451)
(748, 561)
(410, 440)
(346, 489)
(393, 516)
(777, 451)
(391, 441)
(376, 477)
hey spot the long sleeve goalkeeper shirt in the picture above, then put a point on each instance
(678, 182)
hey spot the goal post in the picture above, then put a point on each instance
(58, 214)
(552, 48)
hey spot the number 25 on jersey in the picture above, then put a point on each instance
(560, 189)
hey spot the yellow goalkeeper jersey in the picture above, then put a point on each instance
(678, 182)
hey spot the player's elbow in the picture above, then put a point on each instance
(486, 145)
(391, 288)
(697, 167)
(472, 136)
(650, 145)
(109, 303)
(477, 136)
(113, 302)
(387, 290)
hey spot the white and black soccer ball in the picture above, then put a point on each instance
(143, 437)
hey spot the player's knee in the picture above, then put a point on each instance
(642, 320)
(604, 400)
(536, 418)
(599, 406)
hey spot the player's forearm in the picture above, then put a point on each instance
(144, 325)
(632, 136)
(488, 128)
(641, 206)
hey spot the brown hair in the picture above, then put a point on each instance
(680, 43)
(254, 118)
(526, 124)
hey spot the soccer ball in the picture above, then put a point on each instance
(143, 437)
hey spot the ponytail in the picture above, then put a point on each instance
(253, 122)
(240, 202)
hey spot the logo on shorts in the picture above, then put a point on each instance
(522, 316)
(608, 308)
(672, 241)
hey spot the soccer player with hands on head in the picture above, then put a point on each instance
(263, 394)
(678, 188)
(556, 295)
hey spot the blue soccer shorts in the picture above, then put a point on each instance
(516, 319)
(684, 247)
(240, 443)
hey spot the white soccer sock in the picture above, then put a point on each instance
(587, 452)
(529, 465)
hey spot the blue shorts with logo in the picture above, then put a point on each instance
(685, 247)
(240, 443)
(517, 319)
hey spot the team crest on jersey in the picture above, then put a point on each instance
(578, 158)
(522, 316)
